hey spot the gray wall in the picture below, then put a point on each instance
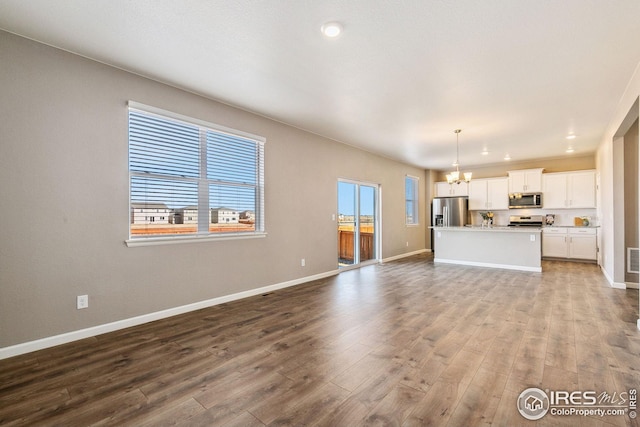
(64, 200)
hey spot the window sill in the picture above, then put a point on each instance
(155, 241)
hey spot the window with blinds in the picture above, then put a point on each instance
(192, 178)
(411, 200)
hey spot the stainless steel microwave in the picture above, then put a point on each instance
(525, 200)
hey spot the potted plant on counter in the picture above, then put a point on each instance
(487, 218)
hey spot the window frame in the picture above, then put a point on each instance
(201, 234)
(415, 201)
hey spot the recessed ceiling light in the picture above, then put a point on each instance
(570, 150)
(571, 136)
(507, 157)
(331, 29)
(485, 152)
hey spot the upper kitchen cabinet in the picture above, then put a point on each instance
(490, 194)
(525, 181)
(444, 189)
(569, 190)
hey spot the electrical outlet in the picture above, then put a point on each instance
(302, 262)
(407, 244)
(82, 301)
(532, 237)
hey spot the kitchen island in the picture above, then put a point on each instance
(513, 248)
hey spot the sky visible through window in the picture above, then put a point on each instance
(411, 200)
(346, 199)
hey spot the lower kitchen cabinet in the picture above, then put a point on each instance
(568, 242)
(554, 243)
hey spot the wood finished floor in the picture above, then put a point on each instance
(405, 343)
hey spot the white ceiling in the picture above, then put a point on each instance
(515, 75)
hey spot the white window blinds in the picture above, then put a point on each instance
(189, 177)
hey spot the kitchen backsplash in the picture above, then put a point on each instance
(563, 217)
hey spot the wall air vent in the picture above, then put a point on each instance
(633, 263)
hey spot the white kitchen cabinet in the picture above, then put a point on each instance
(567, 242)
(582, 243)
(582, 189)
(554, 191)
(444, 189)
(490, 193)
(554, 242)
(525, 181)
(569, 190)
(477, 194)
(498, 193)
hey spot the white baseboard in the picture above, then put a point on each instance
(606, 276)
(612, 283)
(631, 285)
(28, 347)
(408, 254)
(489, 265)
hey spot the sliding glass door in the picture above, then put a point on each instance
(357, 223)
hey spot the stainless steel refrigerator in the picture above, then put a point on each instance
(450, 211)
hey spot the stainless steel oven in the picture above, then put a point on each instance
(525, 221)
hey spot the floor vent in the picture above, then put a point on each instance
(633, 263)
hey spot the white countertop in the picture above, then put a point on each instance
(493, 229)
(521, 229)
(572, 226)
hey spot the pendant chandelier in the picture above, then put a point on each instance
(454, 177)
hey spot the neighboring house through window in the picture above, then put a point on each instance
(192, 178)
